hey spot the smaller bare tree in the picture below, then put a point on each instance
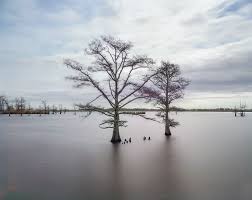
(48, 109)
(9, 108)
(242, 109)
(40, 110)
(17, 105)
(3, 103)
(75, 109)
(20, 105)
(6, 105)
(60, 108)
(29, 109)
(44, 104)
(167, 86)
(235, 111)
(54, 109)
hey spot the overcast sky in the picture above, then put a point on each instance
(210, 39)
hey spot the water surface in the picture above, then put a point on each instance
(209, 156)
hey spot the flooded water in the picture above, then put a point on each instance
(63, 157)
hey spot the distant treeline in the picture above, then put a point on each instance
(20, 106)
(177, 109)
(216, 110)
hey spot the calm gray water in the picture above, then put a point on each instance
(66, 157)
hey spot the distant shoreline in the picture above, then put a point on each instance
(129, 110)
(183, 110)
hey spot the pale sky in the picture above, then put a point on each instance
(210, 39)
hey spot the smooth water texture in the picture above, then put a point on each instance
(66, 157)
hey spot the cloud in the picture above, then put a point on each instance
(210, 39)
(238, 7)
(227, 69)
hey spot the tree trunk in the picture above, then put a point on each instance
(167, 124)
(167, 129)
(116, 136)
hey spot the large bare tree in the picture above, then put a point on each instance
(112, 59)
(167, 86)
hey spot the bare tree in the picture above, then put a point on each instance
(242, 109)
(3, 103)
(40, 110)
(74, 107)
(48, 110)
(29, 109)
(20, 105)
(44, 104)
(60, 108)
(167, 86)
(9, 108)
(54, 109)
(17, 106)
(113, 60)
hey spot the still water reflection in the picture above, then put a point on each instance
(67, 157)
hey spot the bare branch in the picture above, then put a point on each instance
(87, 78)
(140, 115)
(91, 108)
(137, 87)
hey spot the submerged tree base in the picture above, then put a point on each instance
(168, 134)
(167, 130)
(114, 141)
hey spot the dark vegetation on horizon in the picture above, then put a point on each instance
(20, 106)
(6, 107)
(177, 109)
